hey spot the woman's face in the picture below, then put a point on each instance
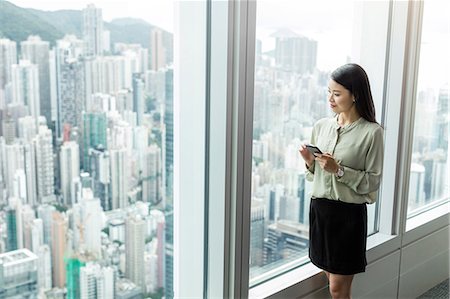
(340, 99)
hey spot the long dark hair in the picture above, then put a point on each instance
(354, 79)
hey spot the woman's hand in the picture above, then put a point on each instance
(306, 155)
(327, 162)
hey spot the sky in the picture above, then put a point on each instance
(155, 12)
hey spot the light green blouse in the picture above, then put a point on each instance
(358, 147)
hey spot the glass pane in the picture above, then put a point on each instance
(86, 148)
(298, 45)
(430, 168)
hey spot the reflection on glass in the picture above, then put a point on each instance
(295, 55)
(430, 168)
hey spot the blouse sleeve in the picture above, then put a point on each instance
(367, 181)
(309, 173)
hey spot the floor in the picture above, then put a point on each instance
(439, 291)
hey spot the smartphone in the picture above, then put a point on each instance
(313, 149)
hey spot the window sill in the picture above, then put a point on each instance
(426, 223)
(309, 278)
(425, 217)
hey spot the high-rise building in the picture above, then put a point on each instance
(138, 96)
(70, 170)
(73, 270)
(25, 86)
(134, 249)
(37, 52)
(93, 30)
(27, 128)
(94, 134)
(100, 172)
(27, 217)
(97, 282)
(36, 230)
(416, 186)
(70, 82)
(71, 96)
(44, 164)
(106, 41)
(45, 212)
(151, 175)
(295, 53)
(30, 173)
(157, 49)
(109, 74)
(9, 129)
(18, 273)
(285, 240)
(151, 272)
(168, 253)
(11, 229)
(44, 267)
(59, 231)
(168, 137)
(119, 178)
(91, 223)
(257, 233)
(8, 57)
(15, 162)
(443, 118)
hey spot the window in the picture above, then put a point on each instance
(89, 125)
(429, 183)
(294, 56)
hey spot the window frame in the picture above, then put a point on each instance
(405, 21)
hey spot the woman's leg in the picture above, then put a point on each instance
(340, 285)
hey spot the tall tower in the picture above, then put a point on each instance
(157, 49)
(138, 96)
(11, 226)
(44, 267)
(25, 86)
(119, 178)
(168, 181)
(70, 170)
(8, 57)
(94, 134)
(70, 82)
(44, 164)
(71, 95)
(134, 250)
(59, 231)
(151, 175)
(91, 223)
(37, 52)
(93, 30)
(14, 163)
(45, 212)
(168, 135)
(295, 53)
(97, 282)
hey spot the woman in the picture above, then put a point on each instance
(345, 178)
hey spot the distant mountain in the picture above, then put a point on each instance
(16, 23)
(67, 21)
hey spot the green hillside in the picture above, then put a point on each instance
(17, 24)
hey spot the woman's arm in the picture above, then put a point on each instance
(368, 180)
(310, 168)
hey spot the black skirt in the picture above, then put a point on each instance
(338, 236)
